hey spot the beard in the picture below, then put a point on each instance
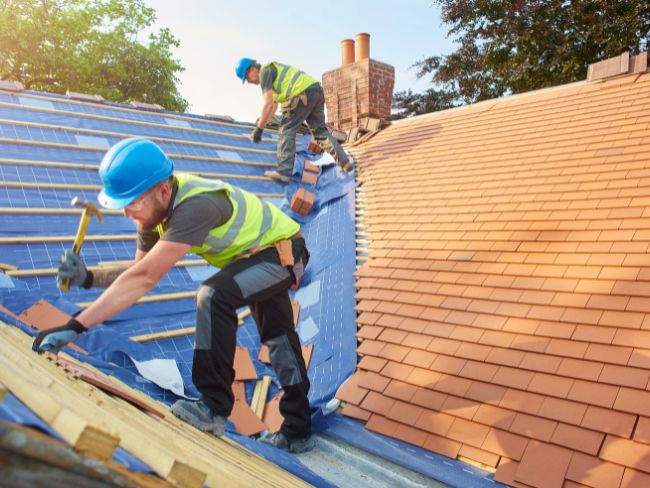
(158, 214)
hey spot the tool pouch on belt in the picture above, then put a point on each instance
(290, 104)
(293, 256)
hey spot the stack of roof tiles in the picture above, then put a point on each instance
(504, 313)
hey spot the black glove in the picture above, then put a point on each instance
(52, 340)
(256, 135)
(72, 267)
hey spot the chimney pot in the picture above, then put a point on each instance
(363, 46)
(347, 52)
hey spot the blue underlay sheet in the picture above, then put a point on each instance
(81, 133)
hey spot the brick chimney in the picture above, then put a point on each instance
(360, 89)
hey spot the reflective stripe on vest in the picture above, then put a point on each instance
(253, 222)
(290, 81)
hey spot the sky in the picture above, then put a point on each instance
(215, 34)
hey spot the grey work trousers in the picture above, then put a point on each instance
(261, 282)
(314, 114)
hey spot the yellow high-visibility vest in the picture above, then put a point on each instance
(253, 223)
(289, 82)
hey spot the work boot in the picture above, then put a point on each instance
(200, 416)
(275, 176)
(285, 443)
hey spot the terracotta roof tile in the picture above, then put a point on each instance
(512, 377)
(402, 391)
(428, 399)
(373, 381)
(421, 359)
(579, 439)
(506, 473)
(613, 354)
(442, 445)
(562, 410)
(369, 332)
(435, 422)
(478, 371)
(512, 282)
(505, 443)
(556, 463)
(535, 427)
(353, 411)
(633, 401)
(626, 452)
(639, 358)
(377, 403)
(404, 412)
(411, 435)
(382, 425)
(642, 431)
(370, 347)
(423, 378)
(609, 421)
(635, 479)
(350, 391)
(540, 362)
(468, 432)
(625, 376)
(550, 385)
(591, 471)
(478, 455)
(453, 385)
(397, 371)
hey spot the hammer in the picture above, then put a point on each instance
(88, 211)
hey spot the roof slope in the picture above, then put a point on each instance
(503, 313)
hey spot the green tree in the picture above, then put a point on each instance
(514, 46)
(89, 46)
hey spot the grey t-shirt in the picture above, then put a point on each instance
(267, 77)
(190, 222)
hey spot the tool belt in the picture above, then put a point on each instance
(293, 256)
(290, 104)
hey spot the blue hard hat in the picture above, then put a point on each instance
(242, 68)
(129, 169)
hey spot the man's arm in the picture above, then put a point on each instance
(268, 108)
(134, 282)
(103, 278)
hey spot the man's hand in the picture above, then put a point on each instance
(52, 340)
(73, 268)
(256, 135)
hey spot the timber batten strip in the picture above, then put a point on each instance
(123, 135)
(107, 118)
(211, 460)
(130, 110)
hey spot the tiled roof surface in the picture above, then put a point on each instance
(504, 310)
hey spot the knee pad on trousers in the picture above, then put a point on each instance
(203, 334)
(284, 361)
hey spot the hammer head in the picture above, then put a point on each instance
(90, 209)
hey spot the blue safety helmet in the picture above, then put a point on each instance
(129, 169)
(242, 68)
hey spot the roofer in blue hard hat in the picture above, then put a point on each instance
(301, 100)
(261, 255)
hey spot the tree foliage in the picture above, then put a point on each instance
(515, 46)
(89, 46)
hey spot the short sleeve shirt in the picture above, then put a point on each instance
(267, 77)
(191, 221)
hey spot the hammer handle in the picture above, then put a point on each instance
(76, 245)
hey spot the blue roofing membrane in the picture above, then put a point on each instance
(37, 128)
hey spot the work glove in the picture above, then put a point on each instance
(256, 135)
(52, 340)
(72, 267)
